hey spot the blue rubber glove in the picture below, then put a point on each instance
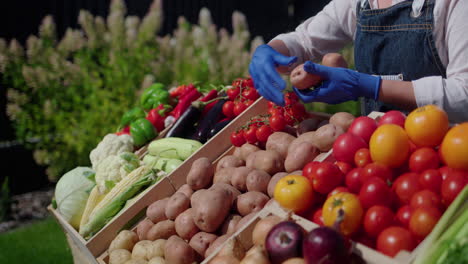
(339, 85)
(266, 79)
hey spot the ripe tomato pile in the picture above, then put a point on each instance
(393, 178)
(241, 95)
(278, 119)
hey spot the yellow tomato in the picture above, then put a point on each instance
(426, 126)
(389, 145)
(294, 192)
(454, 147)
(352, 212)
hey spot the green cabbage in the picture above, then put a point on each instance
(72, 192)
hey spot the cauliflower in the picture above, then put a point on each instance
(113, 169)
(111, 144)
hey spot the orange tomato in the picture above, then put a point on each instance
(351, 207)
(294, 192)
(454, 147)
(389, 145)
(426, 126)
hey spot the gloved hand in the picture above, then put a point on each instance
(339, 85)
(266, 79)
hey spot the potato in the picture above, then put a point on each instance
(274, 180)
(342, 119)
(245, 220)
(161, 230)
(126, 239)
(246, 149)
(294, 261)
(211, 209)
(196, 197)
(224, 175)
(301, 155)
(262, 228)
(147, 250)
(269, 161)
(229, 224)
(200, 174)
(257, 180)
(186, 189)
(334, 60)
(156, 212)
(185, 226)
(229, 161)
(157, 260)
(143, 227)
(216, 244)
(239, 178)
(136, 261)
(224, 260)
(201, 241)
(302, 79)
(255, 255)
(233, 248)
(251, 202)
(119, 256)
(323, 123)
(325, 136)
(231, 190)
(237, 153)
(177, 251)
(250, 160)
(307, 125)
(178, 203)
(279, 142)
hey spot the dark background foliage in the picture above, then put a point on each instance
(21, 18)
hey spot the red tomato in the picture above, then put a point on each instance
(344, 167)
(446, 171)
(362, 157)
(309, 168)
(377, 218)
(393, 117)
(250, 93)
(431, 179)
(412, 147)
(406, 186)
(425, 198)
(424, 159)
(228, 109)
(318, 218)
(377, 170)
(422, 221)
(248, 102)
(277, 122)
(250, 135)
(451, 187)
(363, 127)
(337, 190)
(403, 215)
(232, 93)
(394, 239)
(298, 111)
(353, 180)
(345, 147)
(325, 177)
(239, 107)
(263, 133)
(237, 138)
(375, 191)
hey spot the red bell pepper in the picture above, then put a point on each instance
(157, 116)
(125, 130)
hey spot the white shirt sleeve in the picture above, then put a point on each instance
(451, 93)
(329, 31)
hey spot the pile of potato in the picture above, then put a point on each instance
(217, 201)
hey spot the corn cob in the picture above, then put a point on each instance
(94, 198)
(115, 200)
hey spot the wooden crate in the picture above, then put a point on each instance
(212, 149)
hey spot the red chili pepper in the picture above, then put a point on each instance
(182, 90)
(157, 116)
(185, 103)
(209, 96)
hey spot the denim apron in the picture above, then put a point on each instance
(396, 43)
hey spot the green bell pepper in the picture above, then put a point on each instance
(153, 96)
(132, 115)
(142, 131)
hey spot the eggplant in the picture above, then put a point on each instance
(217, 127)
(208, 121)
(186, 122)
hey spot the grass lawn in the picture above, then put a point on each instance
(39, 243)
